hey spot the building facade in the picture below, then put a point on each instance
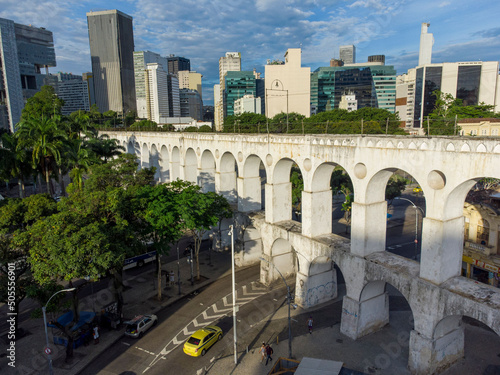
(484, 127)
(347, 54)
(141, 60)
(75, 94)
(191, 104)
(288, 86)
(372, 85)
(473, 82)
(157, 92)
(481, 255)
(247, 104)
(238, 84)
(231, 62)
(177, 63)
(111, 39)
(426, 42)
(190, 80)
(174, 104)
(26, 53)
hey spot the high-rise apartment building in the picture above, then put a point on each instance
(111, 40)
(177, 63)
(229, 63)
(288, 86)
(426, 42)
(141, 60)
(26, 53)
(156, 92)
(190, 80)
(247, 104)
(473, 82)
(347, 54)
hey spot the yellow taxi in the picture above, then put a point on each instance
(202, 340)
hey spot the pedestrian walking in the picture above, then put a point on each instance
(262, 352)
(310, 324)
(96, 334)
(172, 278)
(269, 352)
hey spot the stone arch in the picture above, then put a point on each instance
(371, 312)
(130, 147)
(317, 201)
(228, 172)
(279, 192)
(164, 164)
(175, 164)
(155, 162)
(250, 194)
(319, 284)
(206, 175)
(190, 166)
(137, 151)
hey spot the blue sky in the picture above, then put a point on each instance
(203, 30)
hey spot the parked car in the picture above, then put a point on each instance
(140, 324)
(202, 340)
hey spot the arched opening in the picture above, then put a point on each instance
(327, 202)
(145, 157)
(382, 311)
(251, 192)
(466, 344)
(316, 281)
(131, 148)
(175, 167)
(284, 192)
(228, 174)
(190, 166)
(155, 162)
(206, 177)
(481, 241)
(405, 213)
(249, 241)
(137, 151)
(164, 165)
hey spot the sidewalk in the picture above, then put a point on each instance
(139, 298)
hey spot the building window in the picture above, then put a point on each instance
(483, 232)
(468, 84)
(466, 232)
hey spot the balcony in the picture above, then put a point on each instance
(482, 249)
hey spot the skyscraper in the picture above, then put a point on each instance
(157, 92)
(141, 60)
(229, 63)
(176, 63)
(347, 54)
(426, 42)
(111, 40)
(24, 52)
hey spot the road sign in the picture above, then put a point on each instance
(48, 351)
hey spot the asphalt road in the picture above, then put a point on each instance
(160, 350)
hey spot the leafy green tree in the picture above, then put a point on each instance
(205, 129)
(200, 212)
(297, 188)
(395, 186)
(44, 103)
(144, 125)
(16, 215)
(160, 207)
(14, 161)
(104, 147)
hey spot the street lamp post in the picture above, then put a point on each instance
(231, 233)
(289, 298)
(416, 223)
(44, 310)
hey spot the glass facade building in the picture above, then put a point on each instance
(373, 86)
(238, 84)
(468, 81)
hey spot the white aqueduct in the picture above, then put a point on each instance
(445, 167)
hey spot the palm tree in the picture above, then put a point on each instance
(80, 159)
(105, 148)
(14, 161)
(46, 138)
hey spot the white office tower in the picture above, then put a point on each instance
(190, 80)
(141, 60)
(229, 63)
(347, 54)
(157, 92)
(426, 42)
